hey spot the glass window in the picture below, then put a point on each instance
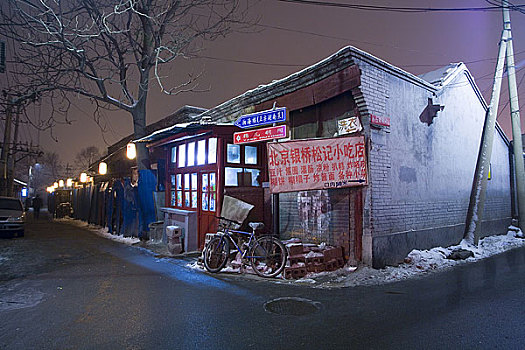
(174, 154)
(212, 201)
(250, 155)
(191, 154)
(201, 152)
(179, 181)
(173, 203)
(212, 151)
(194, 181)
(187, 198)
(232, 176)
(254, 174)
(205, 201)
(182, 156)
(212, 182)
(233, 153)
(179, 198)
(194, 199)
(186, 181)
(204, 182)
(173, 181)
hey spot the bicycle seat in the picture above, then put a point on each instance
(256, 225)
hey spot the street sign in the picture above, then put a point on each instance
(271, 116)
(274, 132)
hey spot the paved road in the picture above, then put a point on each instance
(62, 287)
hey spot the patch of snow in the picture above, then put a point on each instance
(417, 263)
(101, 231)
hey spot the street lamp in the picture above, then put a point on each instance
(102, 168)
(131, 151)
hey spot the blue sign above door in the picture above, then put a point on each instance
(271, 116)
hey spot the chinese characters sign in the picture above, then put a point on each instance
(348, 126)
(274, 132)
(377, 120)
(271, 116)
(317, 164)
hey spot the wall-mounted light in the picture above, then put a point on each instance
(55, 185)
(50, 189)
(69, 182)
(60, 183)
(102, 168)
(131, 151)
(83, 177)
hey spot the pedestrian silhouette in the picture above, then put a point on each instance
(37, 204)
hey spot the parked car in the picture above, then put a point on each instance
(64, 209)
(12, 217)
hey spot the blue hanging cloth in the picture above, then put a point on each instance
(146, 187)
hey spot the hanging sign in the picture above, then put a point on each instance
(381, 121)
(317, 164)
(274, 132)
(348, 126)
(271, 116)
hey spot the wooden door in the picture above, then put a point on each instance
(207, 208)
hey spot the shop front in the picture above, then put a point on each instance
(202, 165)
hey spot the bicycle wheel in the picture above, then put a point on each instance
(216, 254)
(268, 256)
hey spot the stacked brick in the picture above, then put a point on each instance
(310, 258)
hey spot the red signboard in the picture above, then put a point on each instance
(383, 121)
(275, 132)
(317, 164)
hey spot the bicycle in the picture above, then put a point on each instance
(266, 254)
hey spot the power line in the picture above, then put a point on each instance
(399, 9)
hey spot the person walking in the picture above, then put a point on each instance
(37, 204)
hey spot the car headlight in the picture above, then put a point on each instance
(15, 218)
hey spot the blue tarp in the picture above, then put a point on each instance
(146, 202)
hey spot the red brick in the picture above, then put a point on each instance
(295, 249)
(295, 272)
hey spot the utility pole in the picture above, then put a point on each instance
(11, 161)
(479, 184)
(515, 119)
(5, 147)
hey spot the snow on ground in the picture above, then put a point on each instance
(418, 263)
(101, 231)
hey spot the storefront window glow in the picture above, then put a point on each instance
(233, 153)
(182, 156)
(201, 152)
(212, 151)
(191, 154)
(250, 155)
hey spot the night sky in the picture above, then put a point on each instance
(415, 42)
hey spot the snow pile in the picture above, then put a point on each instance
(417, 263)
(101, 231)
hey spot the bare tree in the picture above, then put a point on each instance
(110, 51)
(86, 157)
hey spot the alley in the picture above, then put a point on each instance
(63, 287)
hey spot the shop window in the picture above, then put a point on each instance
(208, 192)
(212, 150)
(250, 155)
(233, 153)
(201, 152)
(173, 155)
(254, 178)
(241, 177)
(231, 176)
(182, 156)
(194, 190)
(191, 154)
